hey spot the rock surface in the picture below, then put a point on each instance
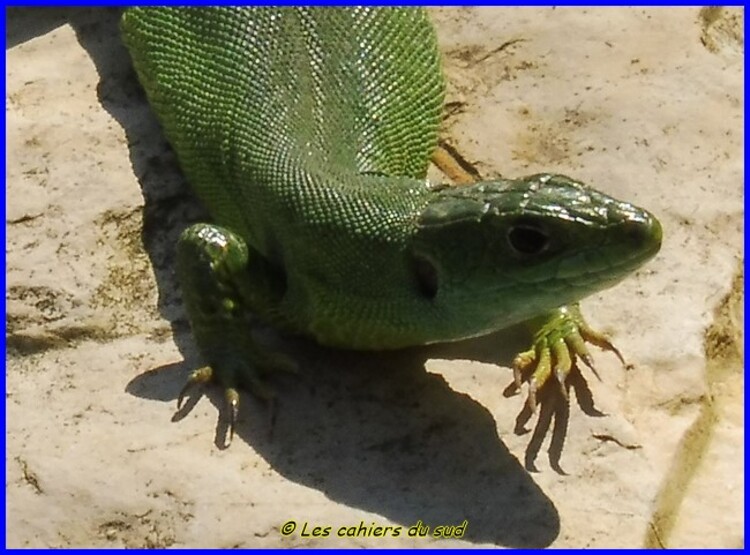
(645, 104)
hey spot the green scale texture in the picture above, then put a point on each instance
(289, 100)
(285, 121)
(307, 132)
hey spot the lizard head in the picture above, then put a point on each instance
(528, 245)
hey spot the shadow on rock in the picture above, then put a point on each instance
(377, 432)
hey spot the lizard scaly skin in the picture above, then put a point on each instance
(307, 132)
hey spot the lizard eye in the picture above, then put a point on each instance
(527, 239)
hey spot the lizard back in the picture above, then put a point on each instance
(261, 104)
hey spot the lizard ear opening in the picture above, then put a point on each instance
(425, 276)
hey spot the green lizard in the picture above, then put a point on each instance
(307, 132)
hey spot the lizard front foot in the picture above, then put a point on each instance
(550, 368)
(220, 284)
(560, 340)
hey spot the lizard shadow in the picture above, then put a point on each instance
(374, 431)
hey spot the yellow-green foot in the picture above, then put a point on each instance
(551, 369)
(559, 341)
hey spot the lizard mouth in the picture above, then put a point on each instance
(628, 245)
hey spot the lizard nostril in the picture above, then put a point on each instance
(643, 232)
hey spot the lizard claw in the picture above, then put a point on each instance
(600, 340)
(229, 377)
(259, 389)
(589, 362)
(561, 377)
(232, 403)
(531, 399)
(197, 377)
